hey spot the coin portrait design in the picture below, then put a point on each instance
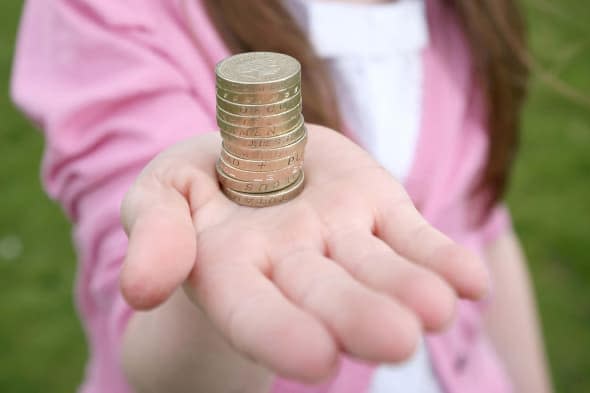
(258, 67)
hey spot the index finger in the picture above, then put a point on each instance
(254, 315)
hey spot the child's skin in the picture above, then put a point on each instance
(349, 265)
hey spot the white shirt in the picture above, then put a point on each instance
(374, 53)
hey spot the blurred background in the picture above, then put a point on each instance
(42, 346)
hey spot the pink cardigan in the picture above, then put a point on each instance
(112, 83)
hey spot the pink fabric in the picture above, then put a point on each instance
(450, 153)
(112, 83)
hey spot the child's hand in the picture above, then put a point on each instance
(348, 265)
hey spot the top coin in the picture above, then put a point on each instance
(258, 72)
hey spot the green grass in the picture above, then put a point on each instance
(41, 342)
(42, 346)
(550, 195)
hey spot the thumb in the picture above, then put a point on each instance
(162, 243)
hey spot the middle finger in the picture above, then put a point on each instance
(367, 324)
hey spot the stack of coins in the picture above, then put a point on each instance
(264, 136)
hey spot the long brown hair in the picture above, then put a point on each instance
(494, 30)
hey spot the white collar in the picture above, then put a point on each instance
(339, 29)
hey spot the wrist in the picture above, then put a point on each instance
(174, 348)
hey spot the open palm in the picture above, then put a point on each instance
(348, 266)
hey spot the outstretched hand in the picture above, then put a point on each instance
(349, 265)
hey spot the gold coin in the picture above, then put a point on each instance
(253, 176)
(258, 98)
(255, 187)
(258, 131)
(258, 72)
(259, 110)
(296, 158)
(265, 143)
(267, 199)
(267, 154)
(257, 121)
(264, 136)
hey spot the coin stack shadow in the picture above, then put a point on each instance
(264, 136)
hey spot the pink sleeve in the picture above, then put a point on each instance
(94, 77)
(496, 224)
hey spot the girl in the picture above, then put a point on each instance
(332, 291)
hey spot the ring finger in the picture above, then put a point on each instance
(374, 263)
